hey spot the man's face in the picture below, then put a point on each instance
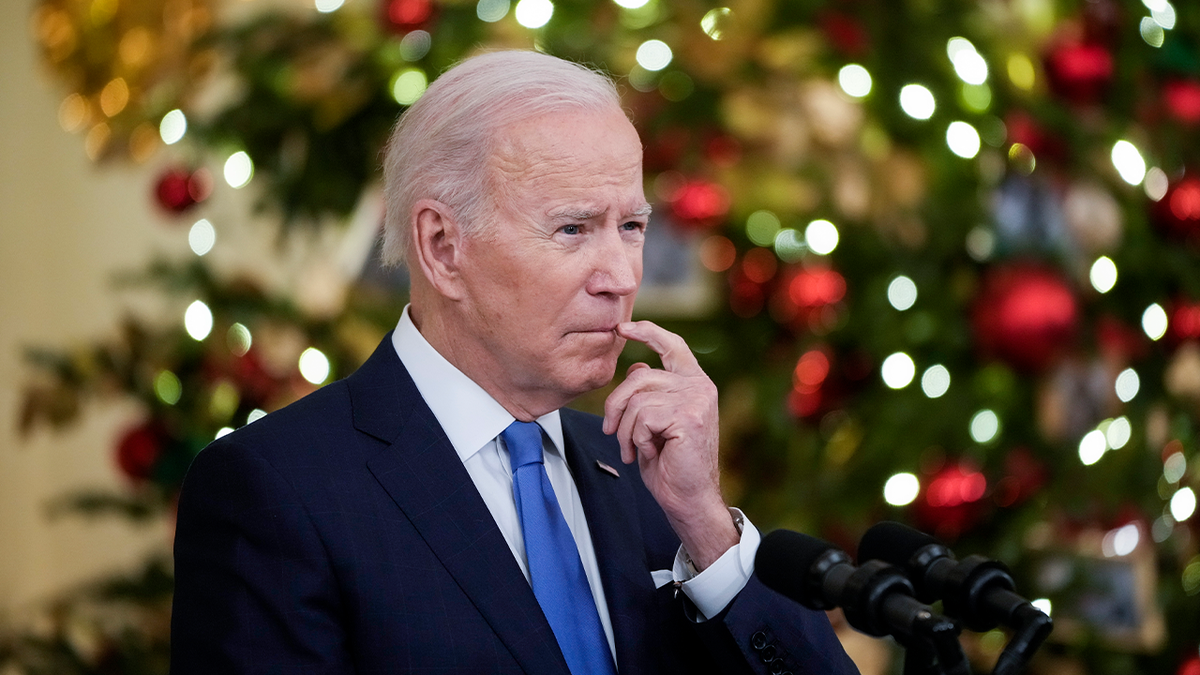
(558, 267)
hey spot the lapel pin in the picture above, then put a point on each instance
(607, 469)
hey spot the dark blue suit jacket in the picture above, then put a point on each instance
(342, 534)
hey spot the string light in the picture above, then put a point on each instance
(898, 370)
(901, 489)
(821, 236)
(239, 169)
(854, 80)
(1127, 160)
(935, 382)
(917, 101)
(985, 426)
(198, 320)
(1154, 321)
(902, 293)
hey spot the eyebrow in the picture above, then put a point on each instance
(573, 213)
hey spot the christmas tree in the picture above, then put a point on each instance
(942, 260)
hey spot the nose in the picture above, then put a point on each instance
(617, 265)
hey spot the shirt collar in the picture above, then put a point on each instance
(470, 417)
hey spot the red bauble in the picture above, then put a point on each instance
(1184, 321)
(845, 33)
(139, 449)
(807, 298)
(1178, 212)
(809, 378)
(1189, 666)
(178, 190)
(699, 204)
(1025, 315)
(1182, 99)
(402, 16)
(951, 502)
(1080, 73)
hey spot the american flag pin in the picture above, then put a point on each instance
(608, 469)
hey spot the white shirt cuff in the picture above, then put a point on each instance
(714, 588)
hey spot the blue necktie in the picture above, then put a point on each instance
(559, 582)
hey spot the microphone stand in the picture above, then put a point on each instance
(933, 648)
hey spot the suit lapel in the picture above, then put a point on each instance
(425, 478)
(610, 505)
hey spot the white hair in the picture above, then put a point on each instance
(441, 146)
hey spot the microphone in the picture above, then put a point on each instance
(877, 598)
(975, 590)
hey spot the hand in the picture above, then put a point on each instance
(667, 421)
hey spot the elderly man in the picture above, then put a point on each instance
(439, 511)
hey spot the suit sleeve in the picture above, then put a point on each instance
(254, 590)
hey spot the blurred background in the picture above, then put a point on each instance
(941, 258)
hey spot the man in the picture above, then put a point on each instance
(438, 511)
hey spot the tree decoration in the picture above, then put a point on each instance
(1025, 315)
(1080, 73)
(401, 16)
(139, 450)
(125, 63)
(807, 297)
(699, 204)
(1182, 100)
(1184, 321)
(952, 501)
(1178, 212)
(178, 189)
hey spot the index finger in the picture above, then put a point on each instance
(676, 356)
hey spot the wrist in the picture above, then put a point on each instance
(707, 537)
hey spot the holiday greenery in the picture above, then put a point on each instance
(956, 250)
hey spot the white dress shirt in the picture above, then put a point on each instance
(473, 421)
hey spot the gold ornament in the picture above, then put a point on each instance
(125, 62)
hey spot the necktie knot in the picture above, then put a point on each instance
(524, 442)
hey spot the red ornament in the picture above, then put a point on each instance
(809, 393)
(1025, 315)
(1189, 666)
(1182, 99)
(808, 297)
(952, 500)
(1080, 73)
(1184, 321)
(1178, 212)
(699, 204)
(401, 16)
(1024, 129)
(846, 34)
(139, 449)
(178, 190)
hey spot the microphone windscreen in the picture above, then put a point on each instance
(784, 561)
(892, 543)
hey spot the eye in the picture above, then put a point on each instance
(633, 226)
(571, 229)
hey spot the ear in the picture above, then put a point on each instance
(438, 246)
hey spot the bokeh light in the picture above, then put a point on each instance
(1092, 447)
(901, 489)
(654, 55)
(167, 387)
(1183, 504)
(238, 339)
(327, 6)
(416, 43)
(314, 365)
(1021, 71)
(963, 140)
(1121, 541)
(761, 227)
(173, 127)
(223, 431)
(1043, 605)
(1154, 321)
(1128, 162)
(1175, 467)
(854, 80)
(1162, 12)
(409, 85)
(534, 13)
(492, 11)
(898, 370)
(968, 64)
(917, 101)
(198, 320)
(1155, 183)
(1152, 33)
(1103, 274)
(821, 236)
(202, 237)
(239, 169)
(631, 4)
(1127, 385)
(714, 22)
(1118, 432)
(255, 415)
(902, 293)
(985, 426)
(935, 381)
